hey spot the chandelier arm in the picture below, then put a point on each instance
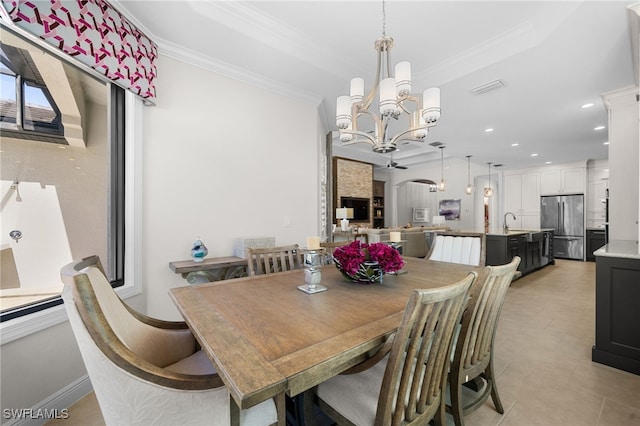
(410, 98)
(376, 121)
(401, 134)
(369, 99)
(369, 139)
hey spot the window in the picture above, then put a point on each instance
(27, 104)
(64, 200)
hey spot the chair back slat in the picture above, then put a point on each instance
(415, 374)
(481, 318)
(273, 259)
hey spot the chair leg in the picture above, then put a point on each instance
(491, 381)
(457, 409)
(440, 418)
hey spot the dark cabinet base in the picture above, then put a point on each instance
(595, 240)
(617, 314)
(535, 251)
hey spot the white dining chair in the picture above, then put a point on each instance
(143, 370)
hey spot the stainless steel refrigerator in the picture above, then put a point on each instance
(565, 214)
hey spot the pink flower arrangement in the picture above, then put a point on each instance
(351, 257)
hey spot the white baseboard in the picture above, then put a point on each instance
(42, 412)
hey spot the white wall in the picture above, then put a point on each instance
(222, 160)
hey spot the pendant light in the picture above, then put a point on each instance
(488, 190)
(469, 189)
(442, 185)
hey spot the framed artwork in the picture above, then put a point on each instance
(420, 214)
(450, 209)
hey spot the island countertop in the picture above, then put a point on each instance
(519, 232)
(619, 248)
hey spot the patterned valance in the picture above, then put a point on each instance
(94, 33)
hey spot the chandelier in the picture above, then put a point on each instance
(395, 99)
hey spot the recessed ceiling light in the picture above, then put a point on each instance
(534, 155)
(598, 128)
(515, 144)
(547, 162)
(488, 130)
(589, 105)
(606, 143)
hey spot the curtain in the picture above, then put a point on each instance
(94, 33)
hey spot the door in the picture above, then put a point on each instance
(572, 213)
(550, 214)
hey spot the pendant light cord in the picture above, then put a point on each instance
(384, 20)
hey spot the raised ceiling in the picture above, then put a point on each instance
(552, 56)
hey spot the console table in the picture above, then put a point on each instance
(211, 269)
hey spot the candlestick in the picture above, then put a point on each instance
(312, 260)
(313, 243)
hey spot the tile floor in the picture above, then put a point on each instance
(543, 358)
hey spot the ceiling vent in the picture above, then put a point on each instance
(483, 88)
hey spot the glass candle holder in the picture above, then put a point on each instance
(312, 262)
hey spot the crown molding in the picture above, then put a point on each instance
(506, 45)
(276, 34)
(240, 15)
(191, 57)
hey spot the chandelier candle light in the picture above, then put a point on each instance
(394, 99)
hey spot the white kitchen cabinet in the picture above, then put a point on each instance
(596, 196)
(522, 198)
(596, 211)
(563, 181)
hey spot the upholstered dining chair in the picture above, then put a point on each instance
(459, 247)
(405, 382)
(473, 353)
(270, 260)
(145, 370)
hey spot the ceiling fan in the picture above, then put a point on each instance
(394, 165)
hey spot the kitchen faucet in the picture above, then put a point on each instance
(506, 227)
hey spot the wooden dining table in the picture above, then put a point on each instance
(267, 338)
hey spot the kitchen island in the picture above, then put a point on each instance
(534, 246)
(618, 306)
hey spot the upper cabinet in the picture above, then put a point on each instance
(571, 180)
(522, 198)
(598, 178)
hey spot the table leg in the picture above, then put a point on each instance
(281, 408)
(234, 411)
